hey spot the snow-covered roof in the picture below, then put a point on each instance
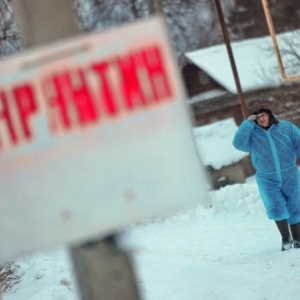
(214, 144)
(206, 95)
(254, 58)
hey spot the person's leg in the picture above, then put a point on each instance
(295, 231)
(291, 191)
(275, 205)
(272, 197)
(287, 241)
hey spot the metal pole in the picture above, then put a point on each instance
(231, 58)
(275, 44)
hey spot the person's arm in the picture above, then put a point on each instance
(241, 140)
(296, 138)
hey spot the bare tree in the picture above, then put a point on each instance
(9, 35)
(139, 8)
(247, 20)
(9, 276)
(192, 23)
(102, 14)
(289, 48)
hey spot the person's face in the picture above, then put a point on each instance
(263, 119)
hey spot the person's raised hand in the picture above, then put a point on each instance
(252, 118)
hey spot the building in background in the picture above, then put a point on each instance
(212, 90)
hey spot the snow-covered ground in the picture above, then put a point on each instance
(223, 248)
(228, 251)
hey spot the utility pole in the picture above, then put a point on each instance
(231, 58)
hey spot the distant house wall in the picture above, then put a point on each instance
(230, 111)
(284, 102)
(197, 81)
(247, 166)
(231, 174)
(293, 116)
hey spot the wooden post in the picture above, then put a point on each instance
(151, 7)
(275, 44)
(155, 6)
(231, 59)
(44, 21)
(103, 270)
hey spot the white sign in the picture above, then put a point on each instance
(94, 135)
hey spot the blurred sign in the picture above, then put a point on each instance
(94, 135)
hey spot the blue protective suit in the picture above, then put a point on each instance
(274, 153)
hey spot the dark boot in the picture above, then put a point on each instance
(295, 231)
(287, 241)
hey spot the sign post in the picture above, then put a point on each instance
(94, 135)
(102, 261)
(104, 271)
(43, 21)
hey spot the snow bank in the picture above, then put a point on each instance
(214, 144)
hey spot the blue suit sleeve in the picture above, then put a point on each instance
(296, 138)
(241, 140)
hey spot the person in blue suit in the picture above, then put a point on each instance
(274, 146)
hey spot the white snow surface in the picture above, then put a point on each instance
(223, 248)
